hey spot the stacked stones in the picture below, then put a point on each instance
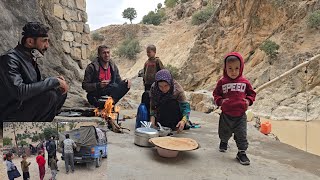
(75, 38)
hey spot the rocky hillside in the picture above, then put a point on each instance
(197, 51)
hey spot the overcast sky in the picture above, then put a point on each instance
(106, 12)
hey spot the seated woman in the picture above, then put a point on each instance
(168, 104)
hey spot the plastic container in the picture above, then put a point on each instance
(167, 153)
(265, 127)
(142, 115)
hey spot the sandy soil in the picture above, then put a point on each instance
(82, 172)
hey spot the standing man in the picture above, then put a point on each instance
(68, 146)
(52, 150)
(24, 95)
(102, 78)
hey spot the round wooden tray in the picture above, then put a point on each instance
(174, 143)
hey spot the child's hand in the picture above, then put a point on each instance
(247, 102)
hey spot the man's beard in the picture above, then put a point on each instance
(42, 51)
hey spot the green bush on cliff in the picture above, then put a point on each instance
(154, 18)
(171, 3)
(270, 48)
(202, 16)
(313, 20)
(97, 37)
(173, 70)
(129, 48)
(7, 141)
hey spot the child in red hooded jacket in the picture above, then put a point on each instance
(234, 94)
(41, 163)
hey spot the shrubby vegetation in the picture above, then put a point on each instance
(129, 48)
(270, 48)
(97, 37)
(173, 70)
(313, 20)
(202, 16)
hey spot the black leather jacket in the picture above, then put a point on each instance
(20, 79)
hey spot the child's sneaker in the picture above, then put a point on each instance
(242, 158)
(223, 146)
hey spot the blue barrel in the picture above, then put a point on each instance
(142, 115)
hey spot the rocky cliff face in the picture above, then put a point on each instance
(241, 26)
(57, 61)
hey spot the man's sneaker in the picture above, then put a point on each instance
(242, 158)
(223, 146)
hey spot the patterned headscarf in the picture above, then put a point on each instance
(159, 96)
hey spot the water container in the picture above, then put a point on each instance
(142, 115)
(265, 127)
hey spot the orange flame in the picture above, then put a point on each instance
(106, 112)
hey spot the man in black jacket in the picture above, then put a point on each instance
(24, 95)
(102, 78)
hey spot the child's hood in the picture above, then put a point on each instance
(238, 55)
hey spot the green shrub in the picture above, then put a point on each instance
(173, 70)
(170, 3)
(154, 18)
(129, 48)
(35, 138)
(7, 141)
(314, 19)
(270, 48)
(279, 3)
(92, 55)
(97, 37)
(22, 143)
(202, 16)
(48, 132)
(184, 1)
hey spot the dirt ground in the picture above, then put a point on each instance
(270, 159)
(82, 172)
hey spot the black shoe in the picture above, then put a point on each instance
(223, 146)
(242, 157)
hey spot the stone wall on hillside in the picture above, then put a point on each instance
(75, 35)
(69, 38)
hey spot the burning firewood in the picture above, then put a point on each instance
(110, 117)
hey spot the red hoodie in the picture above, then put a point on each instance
(40, 160)
(235, 89)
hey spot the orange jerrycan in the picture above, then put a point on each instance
(265, 127)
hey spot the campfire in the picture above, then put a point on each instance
(109, 112)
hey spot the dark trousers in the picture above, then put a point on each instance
(43, 107)
(234, 125)
(116, 91)
(169, 114)
(26, 175)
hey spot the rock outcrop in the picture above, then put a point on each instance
(243, 26)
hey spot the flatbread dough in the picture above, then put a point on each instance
(174, 143)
